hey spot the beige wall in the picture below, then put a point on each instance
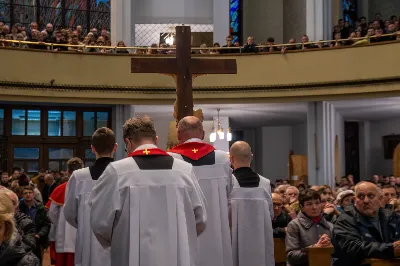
(294, 19)
(263, 19)
(262, 70)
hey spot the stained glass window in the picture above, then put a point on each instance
(234, 19)
(5, 11)
(350, 11)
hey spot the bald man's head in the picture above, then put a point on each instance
(190, 127)
(240, 154)
(12, 196)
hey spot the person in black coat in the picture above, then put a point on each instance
(366, 230)
(49, 187)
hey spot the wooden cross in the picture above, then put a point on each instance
(183, 68)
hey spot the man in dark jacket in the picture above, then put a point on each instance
(250, 46)
(365, 230)
(38, 214)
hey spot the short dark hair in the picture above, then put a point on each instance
(17, 169)
(270, 39)
(389, 186)
(308, 194)
(103, 140)
(73, 164)
(138, 128)
(29, 187)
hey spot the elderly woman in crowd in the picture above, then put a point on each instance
(344, 199)
(12, 252)
(310, 229)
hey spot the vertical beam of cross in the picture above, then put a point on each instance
(184, 89)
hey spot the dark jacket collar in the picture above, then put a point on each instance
(307, 222)
(99, 166)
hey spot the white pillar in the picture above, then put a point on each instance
(221, 144)
(220, 20)
(321, 123)
(120, 114)
(122, 26)
(365, 150)
(319, 19)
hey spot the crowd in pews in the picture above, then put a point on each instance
(357, 221)
(193, 205)
(45, 37)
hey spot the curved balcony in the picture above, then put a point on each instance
(341, 72)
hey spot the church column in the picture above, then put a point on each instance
(121, 113)
(220, 21)
(319, 24)
(321, 132)
(122, 26)
(365, 150)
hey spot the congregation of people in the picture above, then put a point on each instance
(191, 205)
(48, 38)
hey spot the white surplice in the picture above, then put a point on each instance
(216, 182)
(148, 217)
(264, 183)
(88, 250)
(65, 234)
(252, 235)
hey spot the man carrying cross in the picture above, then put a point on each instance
(148, 207)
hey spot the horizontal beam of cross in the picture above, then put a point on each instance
(170, 66)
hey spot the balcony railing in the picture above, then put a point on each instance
(140, 50)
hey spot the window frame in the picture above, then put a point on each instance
(26, 121)
(61, 122)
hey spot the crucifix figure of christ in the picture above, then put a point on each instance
(183, 68)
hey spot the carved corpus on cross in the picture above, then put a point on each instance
(183, 68)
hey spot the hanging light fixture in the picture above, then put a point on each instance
(219, 131)
(229, 134)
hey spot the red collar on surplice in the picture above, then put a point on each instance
(193, 150)
(58, 195)
(148, 152)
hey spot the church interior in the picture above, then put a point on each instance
(289, 112)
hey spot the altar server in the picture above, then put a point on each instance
(213, 171)
(88, 251)
(251, 212)
(148, 207)
(241, 157)
(65, 234)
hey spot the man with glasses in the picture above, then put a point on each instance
(281, 219)
(366, 230)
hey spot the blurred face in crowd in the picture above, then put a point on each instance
(391, 28)
(392, 180)
(6, 29)
(228, 41)
(79, 28)
(293, 40)
(371, 32)
(344, 182)
(291, 195)
(121, 44)
(75, 40)
(58, 35)
(326, 197)
(398, 180)
(347, 201)
(49, 179)
(388, 195)
(378, 16)
(236, 44)
(250, 40)
(4, 177)
(304, 39)
(1, 25)
(49, 27)
(312, 208)
(385, 180)
(16, 174)
(277, 201)
(375, 179)
(368, 199)
(34, 26)
(28, 195)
